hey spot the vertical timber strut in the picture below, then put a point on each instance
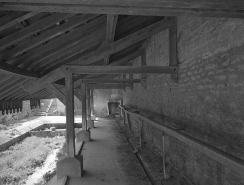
(83, 95)
(70, 134)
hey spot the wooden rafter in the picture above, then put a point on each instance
(56, 92)
(111, 27)
(30, 30)
(104, 52)
(58, 30)
(18, 72)
(217, 8)
(47, 49)
(14, 18)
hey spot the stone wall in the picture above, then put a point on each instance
(26, 112)
(208, 101)
(101, 99)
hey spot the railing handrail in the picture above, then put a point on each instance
(212, 152)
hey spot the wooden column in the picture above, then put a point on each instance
(144, 63)
(70, 134)
(173, 50)
(88, 104)
(83, 95)
(92, 102)
(166, 164)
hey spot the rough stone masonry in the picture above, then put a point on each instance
(208, 101)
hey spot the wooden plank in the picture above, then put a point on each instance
(111, 27)
(226, 12)
(111, 81)
(83, 95)
(17, 72)
(143, 7)
(77, 69)
(56, 92)
(110, 49)
(5, 91)
(32, 29)
(47, 49)
(58, 30)
(14, 18)
(173, 48)
(70, 133)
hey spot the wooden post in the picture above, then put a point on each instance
(173, 50)
(70, 134)
(141, 134)
(92, 102)
(129, 123)
(166, 165)
(123, 116)
(144, 63)
(88, 104)
(83, 95)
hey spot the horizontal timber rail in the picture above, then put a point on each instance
(77, 69)
(116, 81)
(228, 160)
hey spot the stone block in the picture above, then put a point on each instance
(90, 123)
(70, 166)
(83, 135)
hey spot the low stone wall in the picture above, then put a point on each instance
(48, 133)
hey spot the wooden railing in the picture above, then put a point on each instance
(226, 159)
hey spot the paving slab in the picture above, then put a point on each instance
(108, 158)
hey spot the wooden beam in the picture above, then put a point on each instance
(173, 49)
(111, 27)
(49, 78)
(30, 30)
(108, 50)
(14, 18)
(83, 95)
(18, 72)
(77, 94)
(56, 92)
(108, 86)
(69, 51)
(88, 90)
(70, 133)
(92, 102)
(111, 81)
(120, 69)
(58, 30)
(126, 41)
(218, 8)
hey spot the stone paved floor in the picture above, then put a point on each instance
(108, 159)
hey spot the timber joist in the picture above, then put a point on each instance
(101, 53)
(209, 8)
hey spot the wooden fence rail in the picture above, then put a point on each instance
(226, 159)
